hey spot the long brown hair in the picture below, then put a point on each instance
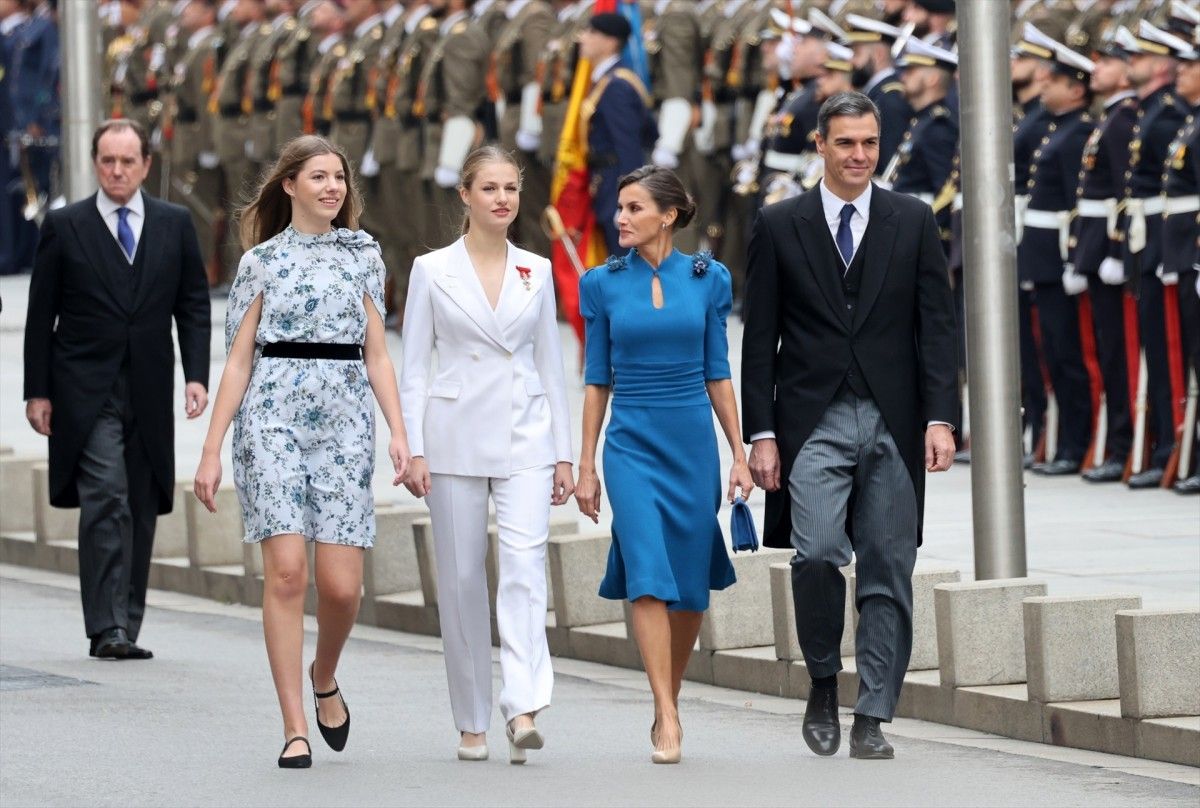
(475, 161)
(271, 211)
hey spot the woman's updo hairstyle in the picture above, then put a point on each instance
(666, 190)
(476, 160)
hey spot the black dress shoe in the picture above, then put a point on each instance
(1150, 478)
(1189, 486)
(112, 643)
(1060, 467)
(296, 761)
(138, 652)
(1110, 471)
(337, 736)
(867, 741)
(821, 730)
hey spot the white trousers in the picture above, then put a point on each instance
(458, 508)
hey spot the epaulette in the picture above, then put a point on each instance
(636, 81)
(701, 261)
(264, 29)
(217, 42)
(1168, 100)
(615, 263)
(377, 32)
(940, 111)
(289, 24)
(427, 24)
(304, 34)
(458, 27)
(892, 87)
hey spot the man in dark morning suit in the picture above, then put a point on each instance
(111, 273)
(1096, 252)
(1043, 257)
(849, 394)
(618, 116)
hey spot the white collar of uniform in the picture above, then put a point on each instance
(733, 6)
(660, 7)
(876, 79)
(1117, 98)
(279, 20)
(12, 21)
(225, 9)
(328, 42)
(248, 29)
(307, 8)
(367, 25)
(569, 12)
(833, 203)
(605, 66)
(481, 7)
(178, 6)
(415, 16)
(108, 206)
(198, 37)
(514, 8)
(704, 5)
(451, 21)
(392, 14)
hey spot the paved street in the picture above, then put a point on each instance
(198, 725)
(1080, 538)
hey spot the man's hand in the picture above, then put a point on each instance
(195, 399)
(37, 410)
(939, 448)
(764, 464)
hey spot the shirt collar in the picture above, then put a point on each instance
(12, 21)
(451, 21)
(225, 9)
(514, 8)
(108, 206)
(392, 14)
(328, 42)
(568, 12)
(366, 25)
(248, 29)
(279, 20)
(198, 37)
(877, 79)
(415, 16)
(605, 66)
(833, 203)
(481, 7)
(1113, 100)
(732, 7)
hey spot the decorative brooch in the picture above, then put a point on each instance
(700, 263)
(525, 272)
(617, 262)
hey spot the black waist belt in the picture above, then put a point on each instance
(186, 116)
(353, 117)
(230, 110)
(312, 350)
(513, 98)
(262, 105)
(144, 97)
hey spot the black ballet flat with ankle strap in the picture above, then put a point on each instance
(296, 761)
(337, 736)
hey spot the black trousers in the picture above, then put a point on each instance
(118, 505)
(1033, 389)
(1189, 321)
(1108, 326)
(1160, 426)
(1058, 318)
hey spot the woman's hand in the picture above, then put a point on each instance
(564, 484)
(417, 480)
(739, 477)
(398, 451)
(587, 494)
(208, 480)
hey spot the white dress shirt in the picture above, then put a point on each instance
(137, 217)
(833, 204)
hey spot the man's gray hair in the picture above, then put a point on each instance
(850, 105)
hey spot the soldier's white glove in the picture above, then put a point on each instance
(1112, 271)
(528, 141)
(1167, 278)
(1073, 283)
(248, 149)
(739, 152)
(369, 167)
(156, 138)
(746, 174)
(665, 158)
(446, 177)
(704, 139)
(208, 159)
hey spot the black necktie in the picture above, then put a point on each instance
(845, 239)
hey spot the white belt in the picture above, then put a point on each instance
(779, 161)
(1095, 208)
(1181, 204)
(1059, 220)
(957, 204)
(1020, 203)
(1138, 209)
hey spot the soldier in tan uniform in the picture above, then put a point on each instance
(399, 146)
(294, 59)
(675, 53)
(265, 92)
(140, 76)
(195, 178)
(451, 88)
(328, 26)
(529, 27)
(231, 105)
(491, 16)
(556, 67)
(348, 87)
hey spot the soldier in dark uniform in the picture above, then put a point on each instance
(1043, 257)
(1181, 229)
(1160, 114)
(933, 21)
(1096, 251)
(875, 76)
(790, 161)
(617, 115)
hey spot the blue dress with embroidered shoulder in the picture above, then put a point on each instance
(660, 460)
(304, 436)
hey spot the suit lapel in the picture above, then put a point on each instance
(149, 250)
(881, 229)
(458, 280)
(818, 247)
(101, 250)
(514, 297)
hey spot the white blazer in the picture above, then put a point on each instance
(497, 402)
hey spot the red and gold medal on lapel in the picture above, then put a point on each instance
(525, 272)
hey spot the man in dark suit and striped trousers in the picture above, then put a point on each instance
(849, 395)
(112, 272)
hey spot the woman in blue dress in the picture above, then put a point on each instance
(306, 349)
(655, 342)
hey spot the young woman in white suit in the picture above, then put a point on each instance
(486, 308)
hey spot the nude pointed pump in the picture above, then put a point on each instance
(479, 752)
(521, 740)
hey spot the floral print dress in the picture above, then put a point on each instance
(304, 436)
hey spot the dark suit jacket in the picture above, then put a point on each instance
(92, 316)
(799, 340)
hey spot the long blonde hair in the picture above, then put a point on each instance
(271, 210)
(477, 160)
